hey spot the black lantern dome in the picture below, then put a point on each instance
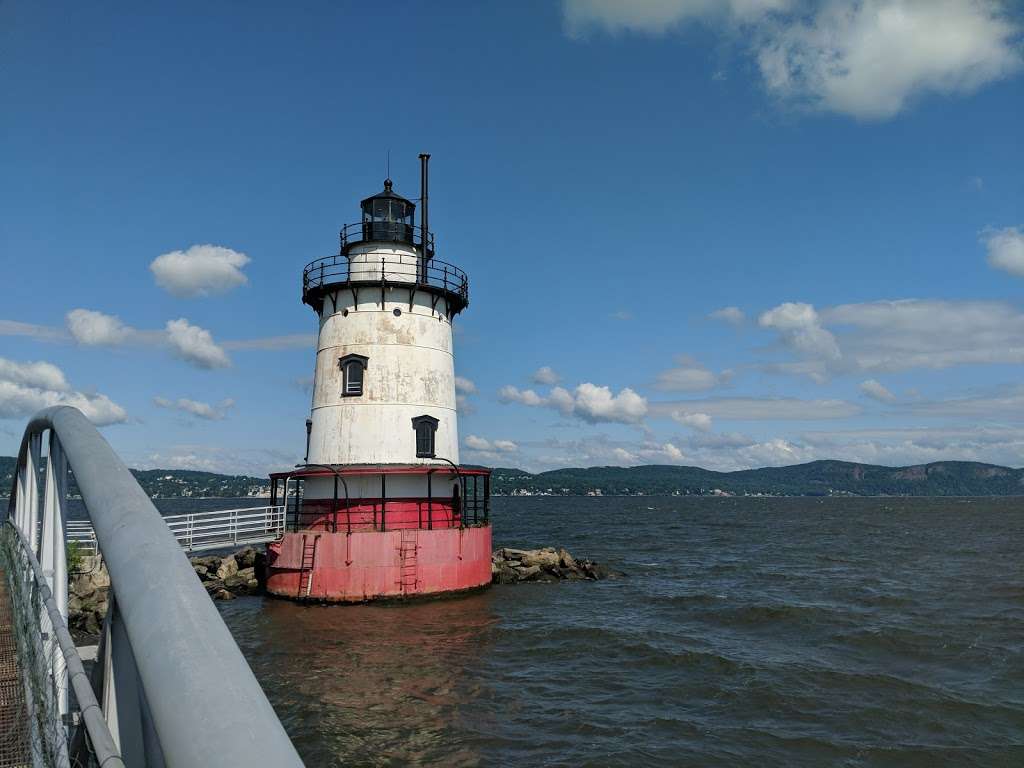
(388, 217)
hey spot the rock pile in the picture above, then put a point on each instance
(88, 588)
(510, 566)
(225, 577)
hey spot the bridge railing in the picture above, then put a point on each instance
(173, 688)
(203, 530)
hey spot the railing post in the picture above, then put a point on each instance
(53, 557)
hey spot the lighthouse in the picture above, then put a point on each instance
(381, 507)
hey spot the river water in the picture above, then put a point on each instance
(749, 632)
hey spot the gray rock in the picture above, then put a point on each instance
(228, 567)
(246, 558)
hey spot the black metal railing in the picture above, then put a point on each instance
(384, 232)
(385, 270)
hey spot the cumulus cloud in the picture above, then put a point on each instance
(801, 329)
(865, 58)
(731, 315)
(94, 329)
(1005, 249)
(689, 376)
(877, 391)
(545, 375)
(201, 270)
(588, 402)
(621, 314)
(197, 408)
(195, 345)
(870, 58)
(694, 420)
(28, 387)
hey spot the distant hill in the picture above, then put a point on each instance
(818, 478)
(169, 483)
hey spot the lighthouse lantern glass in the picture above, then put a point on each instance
(389, 218)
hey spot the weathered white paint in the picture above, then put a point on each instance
(410, 370)
(397, 486)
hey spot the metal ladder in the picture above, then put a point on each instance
(306, 567)
(407, 550)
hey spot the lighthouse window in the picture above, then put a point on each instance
(352, 369)
(425, 428)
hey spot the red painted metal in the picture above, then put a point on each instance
(369, 565)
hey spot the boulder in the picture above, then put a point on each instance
(245, 558)
(544, 558)
(228, 567)
(526, 573)
(201, 570)
(565, 559)
(222, 594)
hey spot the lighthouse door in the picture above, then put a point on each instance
(456, 506)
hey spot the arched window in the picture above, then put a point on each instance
(425, 428)
(352, 369)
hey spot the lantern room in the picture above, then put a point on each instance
(388, 217)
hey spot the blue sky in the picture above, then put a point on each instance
(727, 234)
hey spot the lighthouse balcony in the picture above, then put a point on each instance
(383, 268)
(345, 512)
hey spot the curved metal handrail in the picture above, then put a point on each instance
(390, 269)
(384, 232)
(204, 702)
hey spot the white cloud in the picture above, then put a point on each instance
(589, 402)
(195, 345)
(273, 343)
(202, 270)
(465, 386)
(32, 331)
(887, 336)
(497, 446)
(621, 314)
(689, 376)
(800, 329)
(1005, 249)
(546, 375)
(758, 408)
(870, 58)
(659, 16)
(28, 387)
(731, 315)
(865, 58)
(93, 329)
(877, 391)
(38, 375)
(510, 394)
(197, 408)
(694, 420)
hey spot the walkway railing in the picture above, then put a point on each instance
(197, 531)
(171, 687)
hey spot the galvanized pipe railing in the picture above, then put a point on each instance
(177, 690)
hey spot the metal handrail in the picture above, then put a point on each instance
(385, 232)
(389, 269)
(181, 647)
(205, 530)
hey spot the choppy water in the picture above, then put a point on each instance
(750, 632)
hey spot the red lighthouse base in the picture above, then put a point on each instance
(370, 565)
(352, 547)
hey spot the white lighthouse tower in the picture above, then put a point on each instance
(382, 507)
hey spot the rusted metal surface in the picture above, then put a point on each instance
(14, 744)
